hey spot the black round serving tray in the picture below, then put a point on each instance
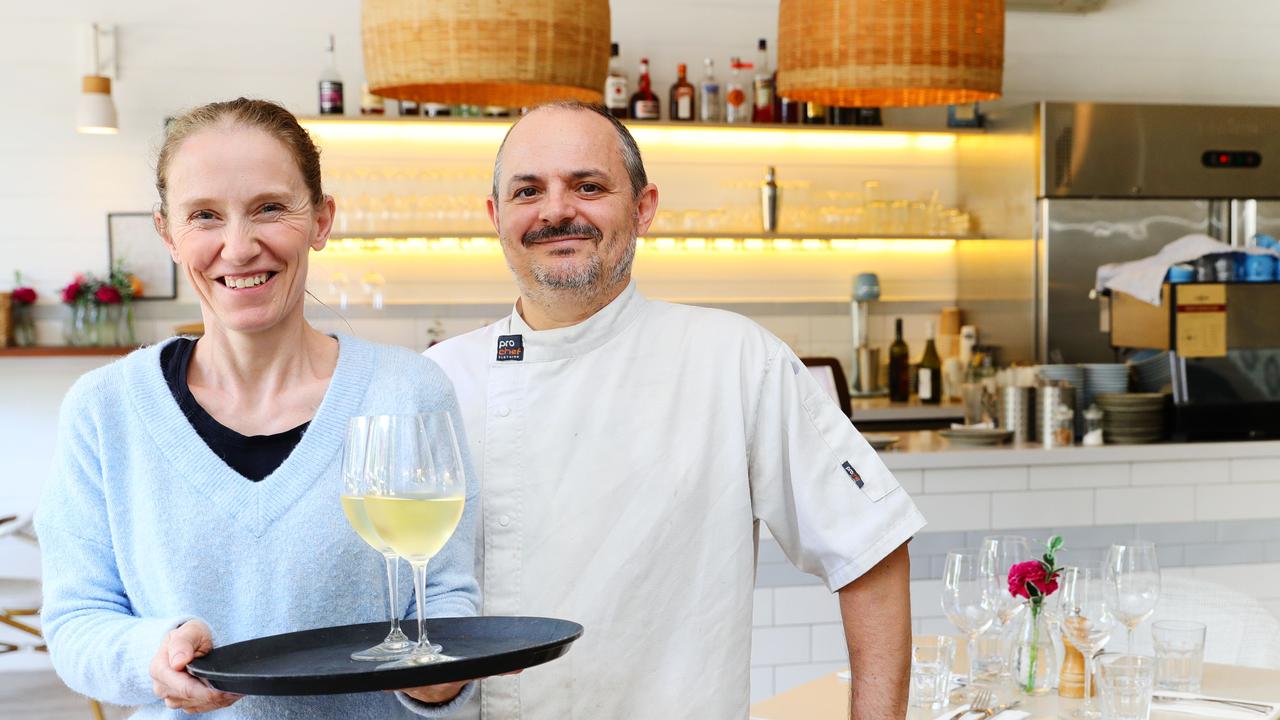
(318, 662)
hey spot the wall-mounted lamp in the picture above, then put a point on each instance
(96, 112)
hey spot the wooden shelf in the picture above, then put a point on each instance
(66, 351)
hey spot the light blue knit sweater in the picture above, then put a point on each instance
(143, 527)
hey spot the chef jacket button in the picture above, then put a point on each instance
(504, 520)
(504, 411)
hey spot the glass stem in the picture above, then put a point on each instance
(1131, 630)
(393, 586)
(420, 594)
(1088, 681)
(973, 656)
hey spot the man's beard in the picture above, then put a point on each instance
(581, 278)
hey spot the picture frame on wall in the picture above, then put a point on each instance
(132, 240)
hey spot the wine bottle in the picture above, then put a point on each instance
(330, 85)
(899, 366)
(929, 374)
(762, 110)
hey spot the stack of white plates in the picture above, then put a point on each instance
(1152, 374)
(1102, 378)
(1132, 417)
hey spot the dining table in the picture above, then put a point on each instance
(827, 698)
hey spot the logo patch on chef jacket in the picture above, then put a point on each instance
(853, 474)
(510, 347)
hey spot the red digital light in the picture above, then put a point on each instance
(1223, 159)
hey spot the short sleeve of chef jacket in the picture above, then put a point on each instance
(824, 494)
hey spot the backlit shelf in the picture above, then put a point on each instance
(739, 243)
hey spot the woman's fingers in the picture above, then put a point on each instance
(173, 684)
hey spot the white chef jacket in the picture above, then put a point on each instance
(624, 464)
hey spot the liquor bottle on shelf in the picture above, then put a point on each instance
(929, 374)
(330, 85)
(899, 366)
(408, 108)
(762, 112)
(737, 106)
(644, 103)
(785, 110)
(371, 104)
(814, 114)
(436, 110)
(682, 94)
(615, 86)
(709, 102)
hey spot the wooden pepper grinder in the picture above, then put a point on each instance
(1071, 676)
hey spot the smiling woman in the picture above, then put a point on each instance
(188, 454)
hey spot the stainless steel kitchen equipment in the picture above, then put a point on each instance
(1096, 183)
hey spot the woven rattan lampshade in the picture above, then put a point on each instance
(486, 52)
(890, 53)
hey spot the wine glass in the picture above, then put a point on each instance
(999, 554)
(354, 486)
(968, 597)
(1087, 621)
(416, 493)
(1133, 581)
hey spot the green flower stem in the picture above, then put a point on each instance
(1035, 647)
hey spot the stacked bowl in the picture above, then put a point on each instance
(1132, 418)
(1103, 378)
(1152, 374)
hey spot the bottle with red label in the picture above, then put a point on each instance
(644, 103)
(615, 86)
(738, 106)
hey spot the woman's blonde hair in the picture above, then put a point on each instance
(261, 114)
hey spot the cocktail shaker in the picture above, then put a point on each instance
(769, 202)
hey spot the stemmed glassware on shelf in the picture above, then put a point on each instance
(355, 484)
(417, 487)
(1087, 622)
(1133, 583)
(969, 597)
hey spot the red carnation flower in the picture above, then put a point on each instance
(1031, 571)
(71, 293)
(24, 295)
(107, 295)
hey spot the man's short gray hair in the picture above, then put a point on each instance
(630, 151)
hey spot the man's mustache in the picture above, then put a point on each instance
(557, 232)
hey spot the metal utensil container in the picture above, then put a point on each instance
(1016, 411)
(1048, 398)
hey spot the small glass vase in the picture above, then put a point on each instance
(77, 330)
(128, 334)
(1033, 658)
(24, 325)
(107, 332)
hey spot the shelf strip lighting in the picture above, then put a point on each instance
(480, 245)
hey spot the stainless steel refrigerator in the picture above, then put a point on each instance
(1096, 183)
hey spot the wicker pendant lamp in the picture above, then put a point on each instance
(486, 52)
(890, 53)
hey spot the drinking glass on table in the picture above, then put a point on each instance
(968, 598)
(1125, 686)
(1087, 622)
(417, 488)
(354, 486)
(931, 659)
(1179, 648)
(1133, 580)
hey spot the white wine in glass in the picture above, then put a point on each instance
(1133, 582)
(415, 499)
(354, 485)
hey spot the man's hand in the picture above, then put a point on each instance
(442, 693)
(876, 609)
(170, 680)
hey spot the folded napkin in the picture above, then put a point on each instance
(1209, 709)
(1006, 715)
